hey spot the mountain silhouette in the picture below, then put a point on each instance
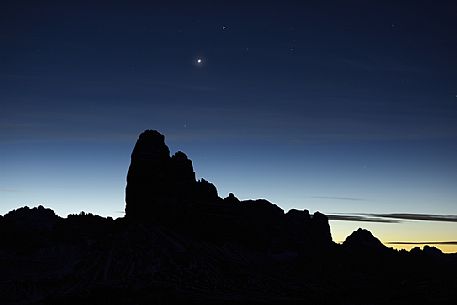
(180, 243)
(163, 189)
(363, 240)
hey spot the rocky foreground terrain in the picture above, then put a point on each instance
(179, 242)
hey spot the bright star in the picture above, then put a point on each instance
(199, 61)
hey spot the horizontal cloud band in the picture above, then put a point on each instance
(426, 217)
(361, 218)
(392, 218)
(422, 243)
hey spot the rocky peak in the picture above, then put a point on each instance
(37, 217)
(181, 167)
(363, 240)
(148, 175)
(231, 199)
(151, 147)
(164, 189)
(156, 182)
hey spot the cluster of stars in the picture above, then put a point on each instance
(292, 49)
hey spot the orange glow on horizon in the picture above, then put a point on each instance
(420, 232)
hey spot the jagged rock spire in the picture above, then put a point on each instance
(164, 189)
(154, 179)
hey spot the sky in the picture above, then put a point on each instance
(348, 108)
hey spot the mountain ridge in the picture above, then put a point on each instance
(179, 242)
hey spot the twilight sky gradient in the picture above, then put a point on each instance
(342, 107)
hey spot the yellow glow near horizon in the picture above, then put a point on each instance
(406, 231)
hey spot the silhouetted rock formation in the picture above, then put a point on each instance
(363, 240)
(38, 218)
(148, 178)
(163, 189)
(181, 243)
(427, 251)
(231, 199)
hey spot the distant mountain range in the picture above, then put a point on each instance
(179, 242)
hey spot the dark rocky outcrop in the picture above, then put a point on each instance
(38, 218)
(148, 178)
(164, 189)
(363, 240)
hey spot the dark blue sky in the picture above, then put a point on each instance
(342, 107)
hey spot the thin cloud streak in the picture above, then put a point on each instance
(422, 243)
(361, 218)
(423, 217)
(391, 218)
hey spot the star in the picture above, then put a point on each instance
(199, 62)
